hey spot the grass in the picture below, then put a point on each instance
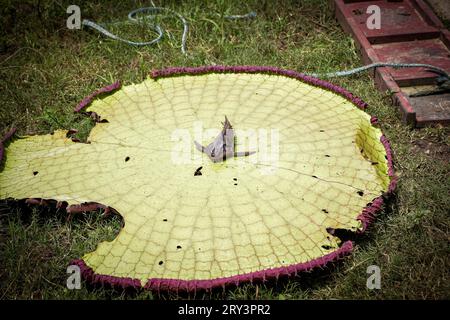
(46, 69)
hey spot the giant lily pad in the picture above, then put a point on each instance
(195, 223)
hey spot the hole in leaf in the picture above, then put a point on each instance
(360, 193)
(327, 155)
(178, 247)
(326, 247)
(35, 173)
(127, 159)
(325, 210)
(198, 172)
(343, 234)
(165, 220)
(161, 262)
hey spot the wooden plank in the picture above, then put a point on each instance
(410, 33)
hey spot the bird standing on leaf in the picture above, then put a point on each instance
(223, 146)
